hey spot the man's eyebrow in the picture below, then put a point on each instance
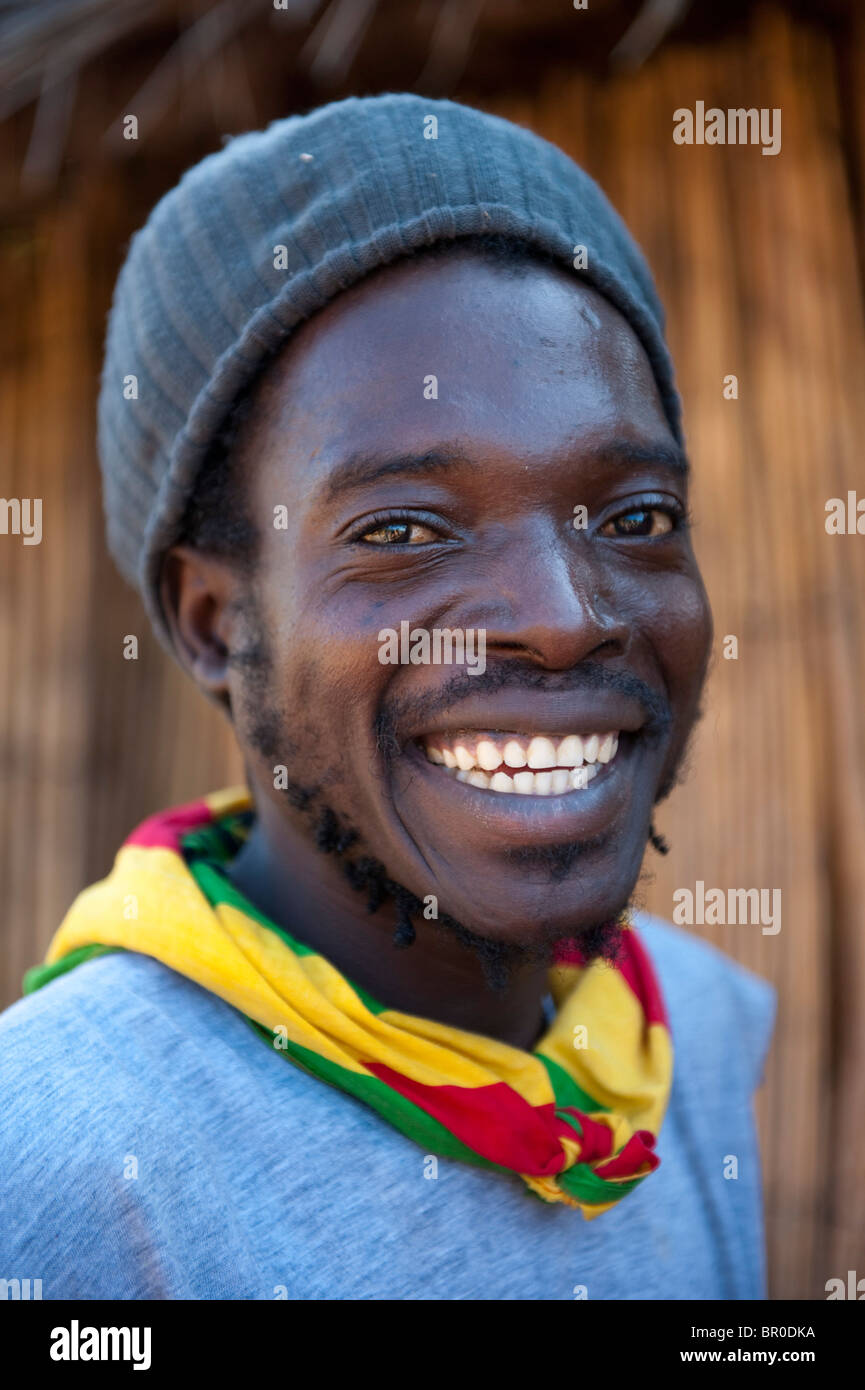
(623, 452)
(360, 469)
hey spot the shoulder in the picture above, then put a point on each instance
(83, 1067)
(95, 999)
(100, 1030)
(712, 1000)
(109, 1076)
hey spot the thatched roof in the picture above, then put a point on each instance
(70, 69)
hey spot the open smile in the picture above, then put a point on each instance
(506, 769)
(511, 805)
(518, 764)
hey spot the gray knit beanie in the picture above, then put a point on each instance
(256, 238)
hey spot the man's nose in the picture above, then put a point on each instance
(548, 600)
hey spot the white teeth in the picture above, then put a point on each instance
(570, 751)
(606, 750)
(542, 752)
(528, 783)
(553, 768)
(488, 755)
(515, 754)
(582, 776)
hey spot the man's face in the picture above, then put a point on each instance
(456, 511)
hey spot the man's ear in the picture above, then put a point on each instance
(198, 594)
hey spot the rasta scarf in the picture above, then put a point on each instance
(576, 1117)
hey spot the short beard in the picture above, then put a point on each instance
(499, 960)
(330, 834)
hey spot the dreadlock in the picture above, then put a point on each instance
(657, 841)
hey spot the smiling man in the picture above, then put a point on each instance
(384, 1023)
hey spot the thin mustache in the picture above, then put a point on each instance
(590, 675)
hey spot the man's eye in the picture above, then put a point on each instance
(639, 521)
(399, 533)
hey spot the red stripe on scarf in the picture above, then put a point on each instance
(635, 968)
(164, 831)
(636, 1157)
(597, 1139)
(492, 1120)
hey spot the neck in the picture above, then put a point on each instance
(306, 893)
